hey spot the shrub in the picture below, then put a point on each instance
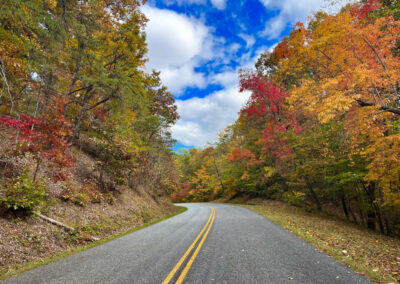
(77, 198)
(110, 198)
(87, 193)
(21, 193)
(294, 198)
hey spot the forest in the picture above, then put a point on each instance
(72, 76)
(321, 129)
(87, 148)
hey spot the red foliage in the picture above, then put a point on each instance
(266, 98)
(182, 195)
(281, 51)
(45, 138)
(238, 155)
(366, 8)
(100, 113)
(164, 105)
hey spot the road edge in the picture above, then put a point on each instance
(66, 253)
(366, 272)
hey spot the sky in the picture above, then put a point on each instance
(199, 46)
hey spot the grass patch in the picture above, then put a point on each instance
(366, 252)
(20, 268)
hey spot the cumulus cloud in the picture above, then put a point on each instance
(226, 79)
(177, 45)
(202, 118)
(291, 11)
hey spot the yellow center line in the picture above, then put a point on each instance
(173, 271)
(189, 264)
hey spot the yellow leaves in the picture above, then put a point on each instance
(384, 166)
(71, 43)
(326, 100)
(365, 124)
(344, 67)
(52, 4)
(269, 171)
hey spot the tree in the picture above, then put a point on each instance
(45, 138)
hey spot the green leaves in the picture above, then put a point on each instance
(23, 194)
(78, 67)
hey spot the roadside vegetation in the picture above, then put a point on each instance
(84, 130)
(318, 141)
(321, 128)
(54, 255)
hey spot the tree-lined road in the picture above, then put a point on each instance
(209, 243)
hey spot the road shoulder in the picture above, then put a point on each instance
(366, 252)
(69, 252)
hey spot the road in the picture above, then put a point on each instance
(209, 243)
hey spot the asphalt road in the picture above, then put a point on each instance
(235, 246)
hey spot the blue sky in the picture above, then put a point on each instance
(199, 46)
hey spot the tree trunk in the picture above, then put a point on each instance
(80, 116)
(371, 220)
(343, 200)
(352, 212)
(363, 218)
(219, 176)
(383, 215)
(376, 212)
(36, 170)
(313, 194)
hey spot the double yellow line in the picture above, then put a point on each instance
(209, 223)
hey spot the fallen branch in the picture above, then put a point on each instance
(55, 222)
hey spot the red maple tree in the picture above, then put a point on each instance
(46, 138)
(268, 100)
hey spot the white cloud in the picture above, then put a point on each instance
(226, 79)
(219, 4)
(271, 48)
(202, 118)
(250, 40)
(292, 11)
(234, 47)
(180, 77)
(177, 44)
(185, 2)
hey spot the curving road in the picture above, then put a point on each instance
(209, 243)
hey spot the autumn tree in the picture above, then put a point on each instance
(321, 126)
(73, 71)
